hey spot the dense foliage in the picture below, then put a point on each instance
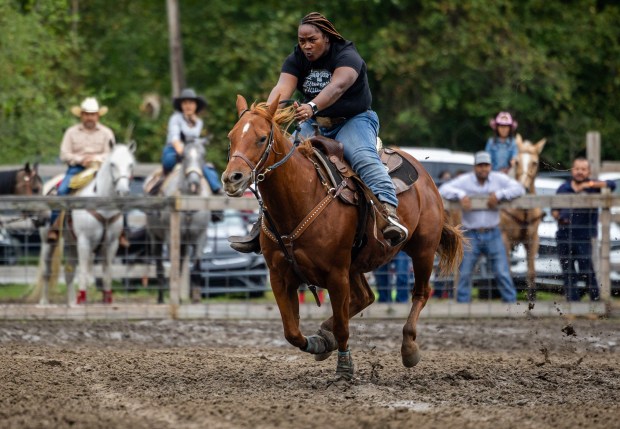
(439, 69)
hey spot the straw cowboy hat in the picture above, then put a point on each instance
(189, 94)
(89, 105)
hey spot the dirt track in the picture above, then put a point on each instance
(513, 373)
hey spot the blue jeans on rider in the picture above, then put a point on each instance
(490, 244)
(358, 135)
(169, 159)
(404, 279)
(63, 188)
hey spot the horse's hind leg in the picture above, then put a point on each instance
(422, 268)
(361, 297)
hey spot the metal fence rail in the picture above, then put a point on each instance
(179, 304)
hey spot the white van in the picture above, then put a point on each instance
(436, 161)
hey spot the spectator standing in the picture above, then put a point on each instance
(502, 146)
(576, 229)
(404, 279)
(482, 226)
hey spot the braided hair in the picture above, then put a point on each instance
(323, 24)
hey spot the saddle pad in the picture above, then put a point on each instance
(402, 172)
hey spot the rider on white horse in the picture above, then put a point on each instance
(185, 126)
(83, 144)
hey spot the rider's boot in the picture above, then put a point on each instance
(394, 233)
(54, 231)
(249, 243)
(123, 241)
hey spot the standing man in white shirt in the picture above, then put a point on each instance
(482, 226)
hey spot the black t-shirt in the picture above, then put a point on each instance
(313, 76)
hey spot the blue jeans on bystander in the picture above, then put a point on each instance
(490, 244)
(404, 279)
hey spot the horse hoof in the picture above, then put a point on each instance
(412, 357)
(345, 368)
(322, 356)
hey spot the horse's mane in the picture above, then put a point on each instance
(8, 180)
(283, 117)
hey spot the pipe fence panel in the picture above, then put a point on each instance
(221, 282)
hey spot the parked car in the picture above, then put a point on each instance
(436, 161)
(221, 269)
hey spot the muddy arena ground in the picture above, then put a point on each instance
(484, 373)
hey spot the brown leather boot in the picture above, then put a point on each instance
(54, 231)
(249, 243)
(394, 233)
(123, 241)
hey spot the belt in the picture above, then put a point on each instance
(481, 230)
(325, 122)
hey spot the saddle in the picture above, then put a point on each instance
(84, 177)
(334, 171)
(329, 154)
(157, 181)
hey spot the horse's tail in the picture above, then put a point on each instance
(450, 248)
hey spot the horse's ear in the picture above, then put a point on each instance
(242, 105)
(519, 141)
(27, 168)
(273, 107)
(540, 145)
(132, 146)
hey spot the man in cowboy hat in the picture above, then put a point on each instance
(83, 144)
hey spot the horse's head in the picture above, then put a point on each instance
(251, 143)
(122, 162)
(193, 160)
(28, 181)
(526, 166)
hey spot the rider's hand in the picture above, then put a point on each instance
(303, 112)
(178, 147)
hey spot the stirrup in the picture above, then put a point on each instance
(394, 233)
(248, 243)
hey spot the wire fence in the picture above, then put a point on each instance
(224, 283)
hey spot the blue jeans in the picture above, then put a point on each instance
(578, 250)
(169, 159)
(63, 188)
(358, 135)
(404, 278)
(490, 244)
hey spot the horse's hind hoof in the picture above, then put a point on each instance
(322, 356)
(411, 356)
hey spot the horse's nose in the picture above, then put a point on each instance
(233, 178)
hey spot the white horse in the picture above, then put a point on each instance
(96, 229)
(185, 179)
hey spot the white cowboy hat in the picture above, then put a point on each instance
(89, 105)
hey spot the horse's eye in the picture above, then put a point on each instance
(262, 140)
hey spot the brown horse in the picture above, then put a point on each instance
(521, 225)
(25, 181)
(293, 194)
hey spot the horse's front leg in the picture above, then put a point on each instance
(106, 266)
(340, 297)
(285, 292)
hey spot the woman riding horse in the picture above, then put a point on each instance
(330, 73)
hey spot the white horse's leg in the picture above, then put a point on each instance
(70, 264)
(84, 252)
(111, 248)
